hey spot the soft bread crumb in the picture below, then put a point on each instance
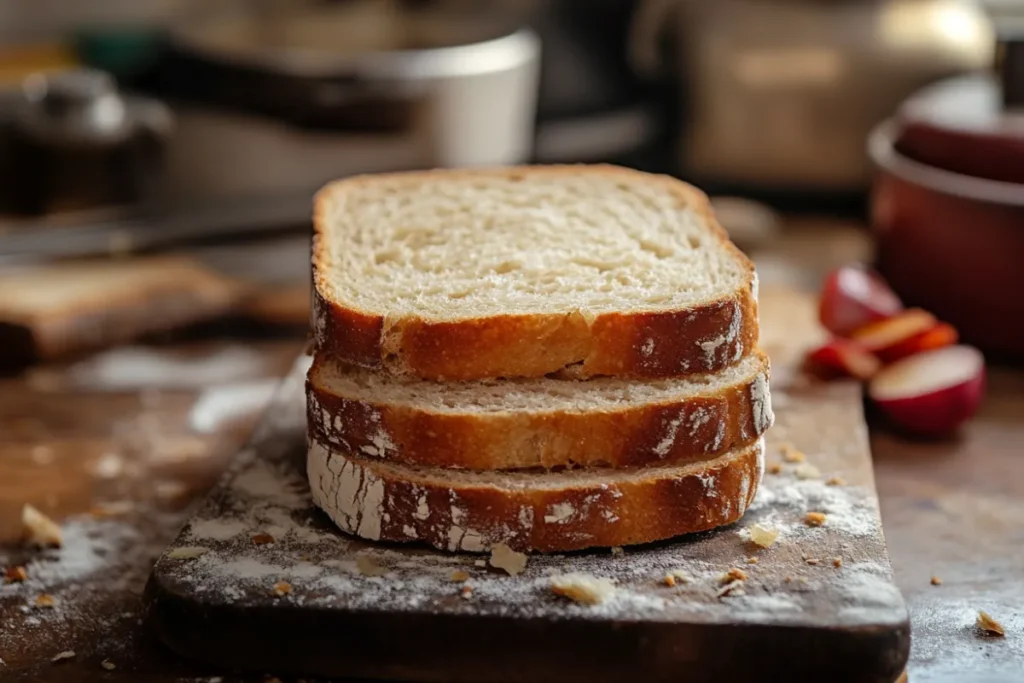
(282, 588)
(188, 553)
(806, 470)
(763, 536)
(815, 519)
(39, 530)
(936, 581)
(989, 626)
(108, 665)
(459, 575)
(46, 601)
(837, 562)
(262, 538)
(835, 481)
(791, 454)
(63, 656)
(15, 574)
(669, 580)
(368, 566)
(503, 557)
(774, 468)
(675, 577)
(583, 588)
(751, 560)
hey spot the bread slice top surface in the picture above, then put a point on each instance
(526, 394)
(451, 245)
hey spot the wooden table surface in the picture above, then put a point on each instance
(120, 445)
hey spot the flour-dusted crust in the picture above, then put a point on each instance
(545, 512)
(661, 343)
(627, 434)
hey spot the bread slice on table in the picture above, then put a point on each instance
(531, 511)
(539, 422)
(69, 307)
(528, 271)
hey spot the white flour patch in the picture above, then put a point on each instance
(223, 404)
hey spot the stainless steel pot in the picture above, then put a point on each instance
(284, 103)
(783, 93)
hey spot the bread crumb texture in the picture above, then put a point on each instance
(503, 557)
(583, 588)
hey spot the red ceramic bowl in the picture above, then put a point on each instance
(951, 243)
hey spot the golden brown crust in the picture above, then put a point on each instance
(632, 434)
(700, 339)
(379, 501)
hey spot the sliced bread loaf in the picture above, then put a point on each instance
(547, 511)
(527, 271)
(540, 422)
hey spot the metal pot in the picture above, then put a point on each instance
(285, 102)
(76, 143)
(783, 93)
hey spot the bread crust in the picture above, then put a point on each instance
(632, 434)
(654, 344)
(380, 501)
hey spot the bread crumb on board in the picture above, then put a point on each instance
(281, 589)
(815, 519)
(835, 481)
(108, 665)
(617, 550)
(734, 574)
(813, 561)
(837, 562)
(15, 574)
(763, 536)
(936, 581)
(466, 592)
(675, 577)
(989, 626)
(806, 470)
(583, 588)
(503, 557)
(39, 530)
(262, 538)
(63, 656)
(791, 454)
(751, 560)
(774, 468)
(459, 575)
(186, 553)
(45, 601)
(368, 566)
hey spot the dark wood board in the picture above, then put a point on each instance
(795, 621)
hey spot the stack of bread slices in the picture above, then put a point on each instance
(550, 358)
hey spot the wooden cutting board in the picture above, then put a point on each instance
(819, 605)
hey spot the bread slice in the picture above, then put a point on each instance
(69, 307)
(539, 422)
(545, 511)
(527, 271)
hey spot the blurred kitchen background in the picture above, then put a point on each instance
(204, 126)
